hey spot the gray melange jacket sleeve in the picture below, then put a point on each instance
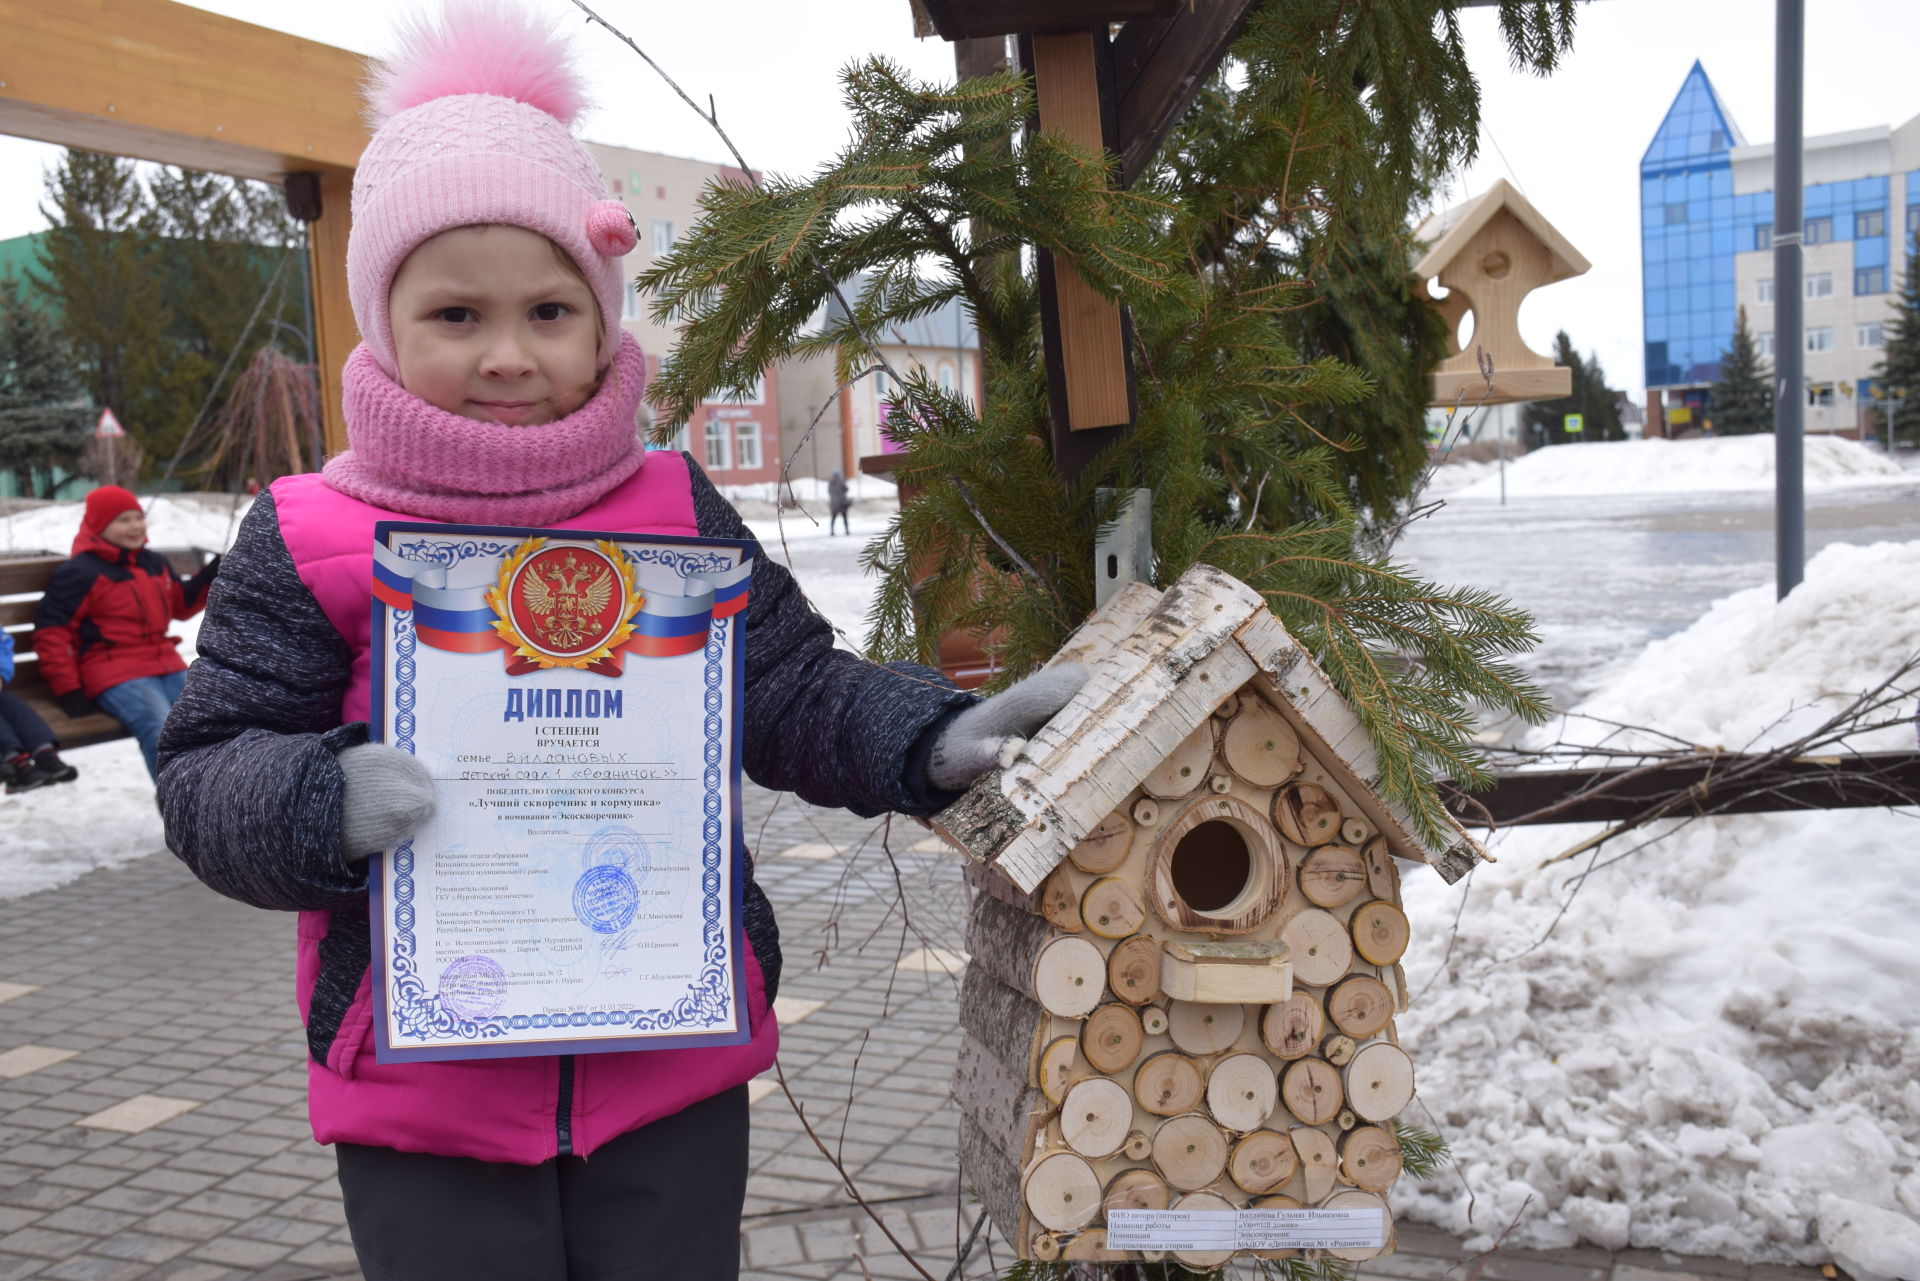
(819, 721)
(249, 787)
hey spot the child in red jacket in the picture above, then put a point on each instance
(101, 628)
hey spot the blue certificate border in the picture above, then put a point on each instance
(706, 1003)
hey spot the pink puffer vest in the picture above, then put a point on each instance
(491, 1109)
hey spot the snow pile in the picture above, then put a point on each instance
(1704, 465)
(811, 490)
(207, 521)
(105, 817)
(1712, 1052)
(1453, 477)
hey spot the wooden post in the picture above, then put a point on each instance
(334, 332)
(1087, 338)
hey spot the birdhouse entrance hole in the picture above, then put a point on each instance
(1218, 867)
(1211, 866)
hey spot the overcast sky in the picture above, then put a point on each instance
(1571, 142)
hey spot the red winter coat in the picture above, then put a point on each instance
(103, 620)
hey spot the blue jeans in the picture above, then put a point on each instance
(142, 706)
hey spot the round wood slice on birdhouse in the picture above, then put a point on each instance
(1338, 1049)
(1060, 902)
(1241, 1092)
(1262, 1161)
(1044, 1246)
(1133, 969)
(1319, 946)
(1168, 1083)
(1201, 1029)
(1105, 847)
(1353, 1199)
(1311, 1090)
(1260, 746)
(1112, 908)
(1203, 1260)
(1189, 1151)
(1306, 814)
(1370, 1158)
(1291, 1028)
(1096, 1117)
(1059, 1067)
(1136, 1189)
(1360, 1006)
(1356, 831)
(1138, 1147)
(1383, 878)
(1319, 1164)
(1111, 1038)
(1091, 1247)
(1275, 1202)
(1184, 769)
(1379, 1081)
(1332, 875)
(1062, 1193)
(1380, 932)
(1068, 977)
(1154, 1021)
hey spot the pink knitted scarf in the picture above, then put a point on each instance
(408, 456)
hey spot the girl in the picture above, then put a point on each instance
(101, 628)
(494, 385)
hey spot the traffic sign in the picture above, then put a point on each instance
(109, 427)
(1573, 424)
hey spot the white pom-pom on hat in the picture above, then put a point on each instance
(480, 46)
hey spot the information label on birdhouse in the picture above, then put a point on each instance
(1202, 1230)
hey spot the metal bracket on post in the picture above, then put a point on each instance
(1123, 547)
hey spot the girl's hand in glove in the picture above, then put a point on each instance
(993, 731)
(389, 793)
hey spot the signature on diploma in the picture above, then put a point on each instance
(617, 971)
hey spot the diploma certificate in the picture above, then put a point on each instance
(575, 696)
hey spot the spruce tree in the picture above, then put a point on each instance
(1743, 398)
(100, 272)
(1591, 398)
(43, 415)
(1290, 182)
(1899, 368)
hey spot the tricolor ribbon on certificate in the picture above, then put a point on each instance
(465, 620)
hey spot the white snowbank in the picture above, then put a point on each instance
(1705, 465)
(1712, 1052)
(106, 816)
(207, 521)
(812, 491)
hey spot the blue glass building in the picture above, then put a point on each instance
(1706, 229)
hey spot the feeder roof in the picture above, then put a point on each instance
(1448, 233)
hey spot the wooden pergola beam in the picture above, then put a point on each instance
(1159, 67)
(176, 85)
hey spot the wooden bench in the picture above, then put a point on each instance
(22, 583)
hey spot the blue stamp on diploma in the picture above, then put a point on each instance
(605, 899)
(473, 987)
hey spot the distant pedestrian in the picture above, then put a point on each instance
(28, 758)
(838, 503)
(101, 628)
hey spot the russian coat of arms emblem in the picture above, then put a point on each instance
(566, 604)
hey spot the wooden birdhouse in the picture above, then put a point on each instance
(1185, 955)
(1490, 253)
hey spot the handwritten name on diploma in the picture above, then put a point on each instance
(1246, 1229)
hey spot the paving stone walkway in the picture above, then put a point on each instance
(152, 1104)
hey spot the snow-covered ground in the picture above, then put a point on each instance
(1713, 1050)
(1707, 465)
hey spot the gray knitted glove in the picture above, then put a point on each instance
(388, 794)
(993, 731)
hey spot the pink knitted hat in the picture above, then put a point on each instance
(471, 126)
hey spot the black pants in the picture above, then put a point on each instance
(661, 1203)
(21, 729)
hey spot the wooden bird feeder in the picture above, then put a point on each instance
(1185, 951)
(1490, 253)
